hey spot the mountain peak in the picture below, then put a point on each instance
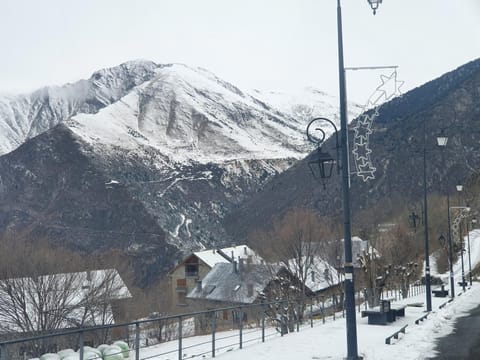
(172, 107)
(190, 114)
(138, 67)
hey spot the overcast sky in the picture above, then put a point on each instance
(266, 44)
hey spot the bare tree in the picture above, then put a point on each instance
(393, 261)
(37, 296)
(298, 242)
(375, 274)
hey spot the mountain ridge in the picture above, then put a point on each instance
(171, 144)
(450, 102)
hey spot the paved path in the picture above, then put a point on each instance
(464, 342)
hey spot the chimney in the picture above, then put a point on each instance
(245, 250)
(240, 264)
(235, 269)
(249, 289)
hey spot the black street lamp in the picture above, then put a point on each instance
(460, 189)
(428, 293)
(442, 142)
(462, 249)
(460, 216)
(374, 5)
(474, 221)
(413, 220)
(321, 163)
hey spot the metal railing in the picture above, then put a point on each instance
(195, 333)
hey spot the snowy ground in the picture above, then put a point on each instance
(328, 341)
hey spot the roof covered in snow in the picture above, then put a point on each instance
(224, 283)
(321, 275)
(214, 256)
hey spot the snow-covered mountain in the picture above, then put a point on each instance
(190, 115)
(178, 145)
(195, 108)
(23, 117)
(307, 103)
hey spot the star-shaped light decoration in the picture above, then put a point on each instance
(389, 88)
(366, 171)
(362, 152)
(363, 128)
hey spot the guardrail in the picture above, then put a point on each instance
(221, 329)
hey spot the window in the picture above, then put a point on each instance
(225, 315)
(191, 270)
(191, 266)
(181, 283)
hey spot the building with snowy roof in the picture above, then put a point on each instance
(185, 275)
(321, 276)
(233, 284)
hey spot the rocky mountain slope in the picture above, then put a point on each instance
(143, 158)
(450, 103)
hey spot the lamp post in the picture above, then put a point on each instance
(460, 216)
(442, 142)
(428, 293)
(352, 348)
(461, 252)
(474, 221)
(459, 190)
(352, 351)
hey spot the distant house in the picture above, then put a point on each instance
(233, 284)
(239, 284)
(196, 266)
(359, 246)
(60, 301)
(322, 276)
